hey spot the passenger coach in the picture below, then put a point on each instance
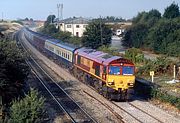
(61, 51)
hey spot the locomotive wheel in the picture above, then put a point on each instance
(104, 91)
(75, 72)
(124, 96)
(96, 85)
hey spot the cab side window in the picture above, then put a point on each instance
(79, 59)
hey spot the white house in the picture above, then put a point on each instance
(119, 32)
(74, 25)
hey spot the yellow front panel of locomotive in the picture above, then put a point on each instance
(120, 81)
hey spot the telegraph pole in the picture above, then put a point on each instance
(101, 30)
(58, 6)
(61, 11)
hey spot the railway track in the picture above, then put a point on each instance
(108, 107)
(138, 118)
(137, 113)
(73, 111)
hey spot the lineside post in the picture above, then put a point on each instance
(174, 72)
(152, 75)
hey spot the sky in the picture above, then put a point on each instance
(40, 9)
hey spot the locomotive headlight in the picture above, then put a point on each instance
(130, 84)
(111, 83)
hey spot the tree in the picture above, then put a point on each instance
(148, 18)
(13, 70)
(96, 34)
(172, 11)
(67, 37)
(49, 29)
(63, 36)
(49, 20)
(28, 109)
(26, 19)
(152, 32)
(135, 36)
(31, 19)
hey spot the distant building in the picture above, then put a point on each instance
(119, 27)
(39, 23)
(74, 25)
(120, 32)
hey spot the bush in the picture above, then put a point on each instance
(165, 97)
(134, 55)
(27, 110)
(160, 66)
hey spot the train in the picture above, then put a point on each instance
(111, 76)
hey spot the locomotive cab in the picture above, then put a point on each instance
(120, 75)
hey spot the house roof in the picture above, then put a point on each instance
(75, 20)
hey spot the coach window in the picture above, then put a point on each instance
(68, 56)
(62, 54)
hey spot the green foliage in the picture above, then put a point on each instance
(49, 20)
(96, 34)
(64, 36)
(109, 50)
(161, 66)
(152, 92)
(163, 35)
(134, 55)
(13, 69)
(151, 32)
(28, 109)
(49, 29)
(136, 35)
(75, 40)
(165, 97)
(67, 37)
(172, 11)
(112, 19)
(148, 18)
